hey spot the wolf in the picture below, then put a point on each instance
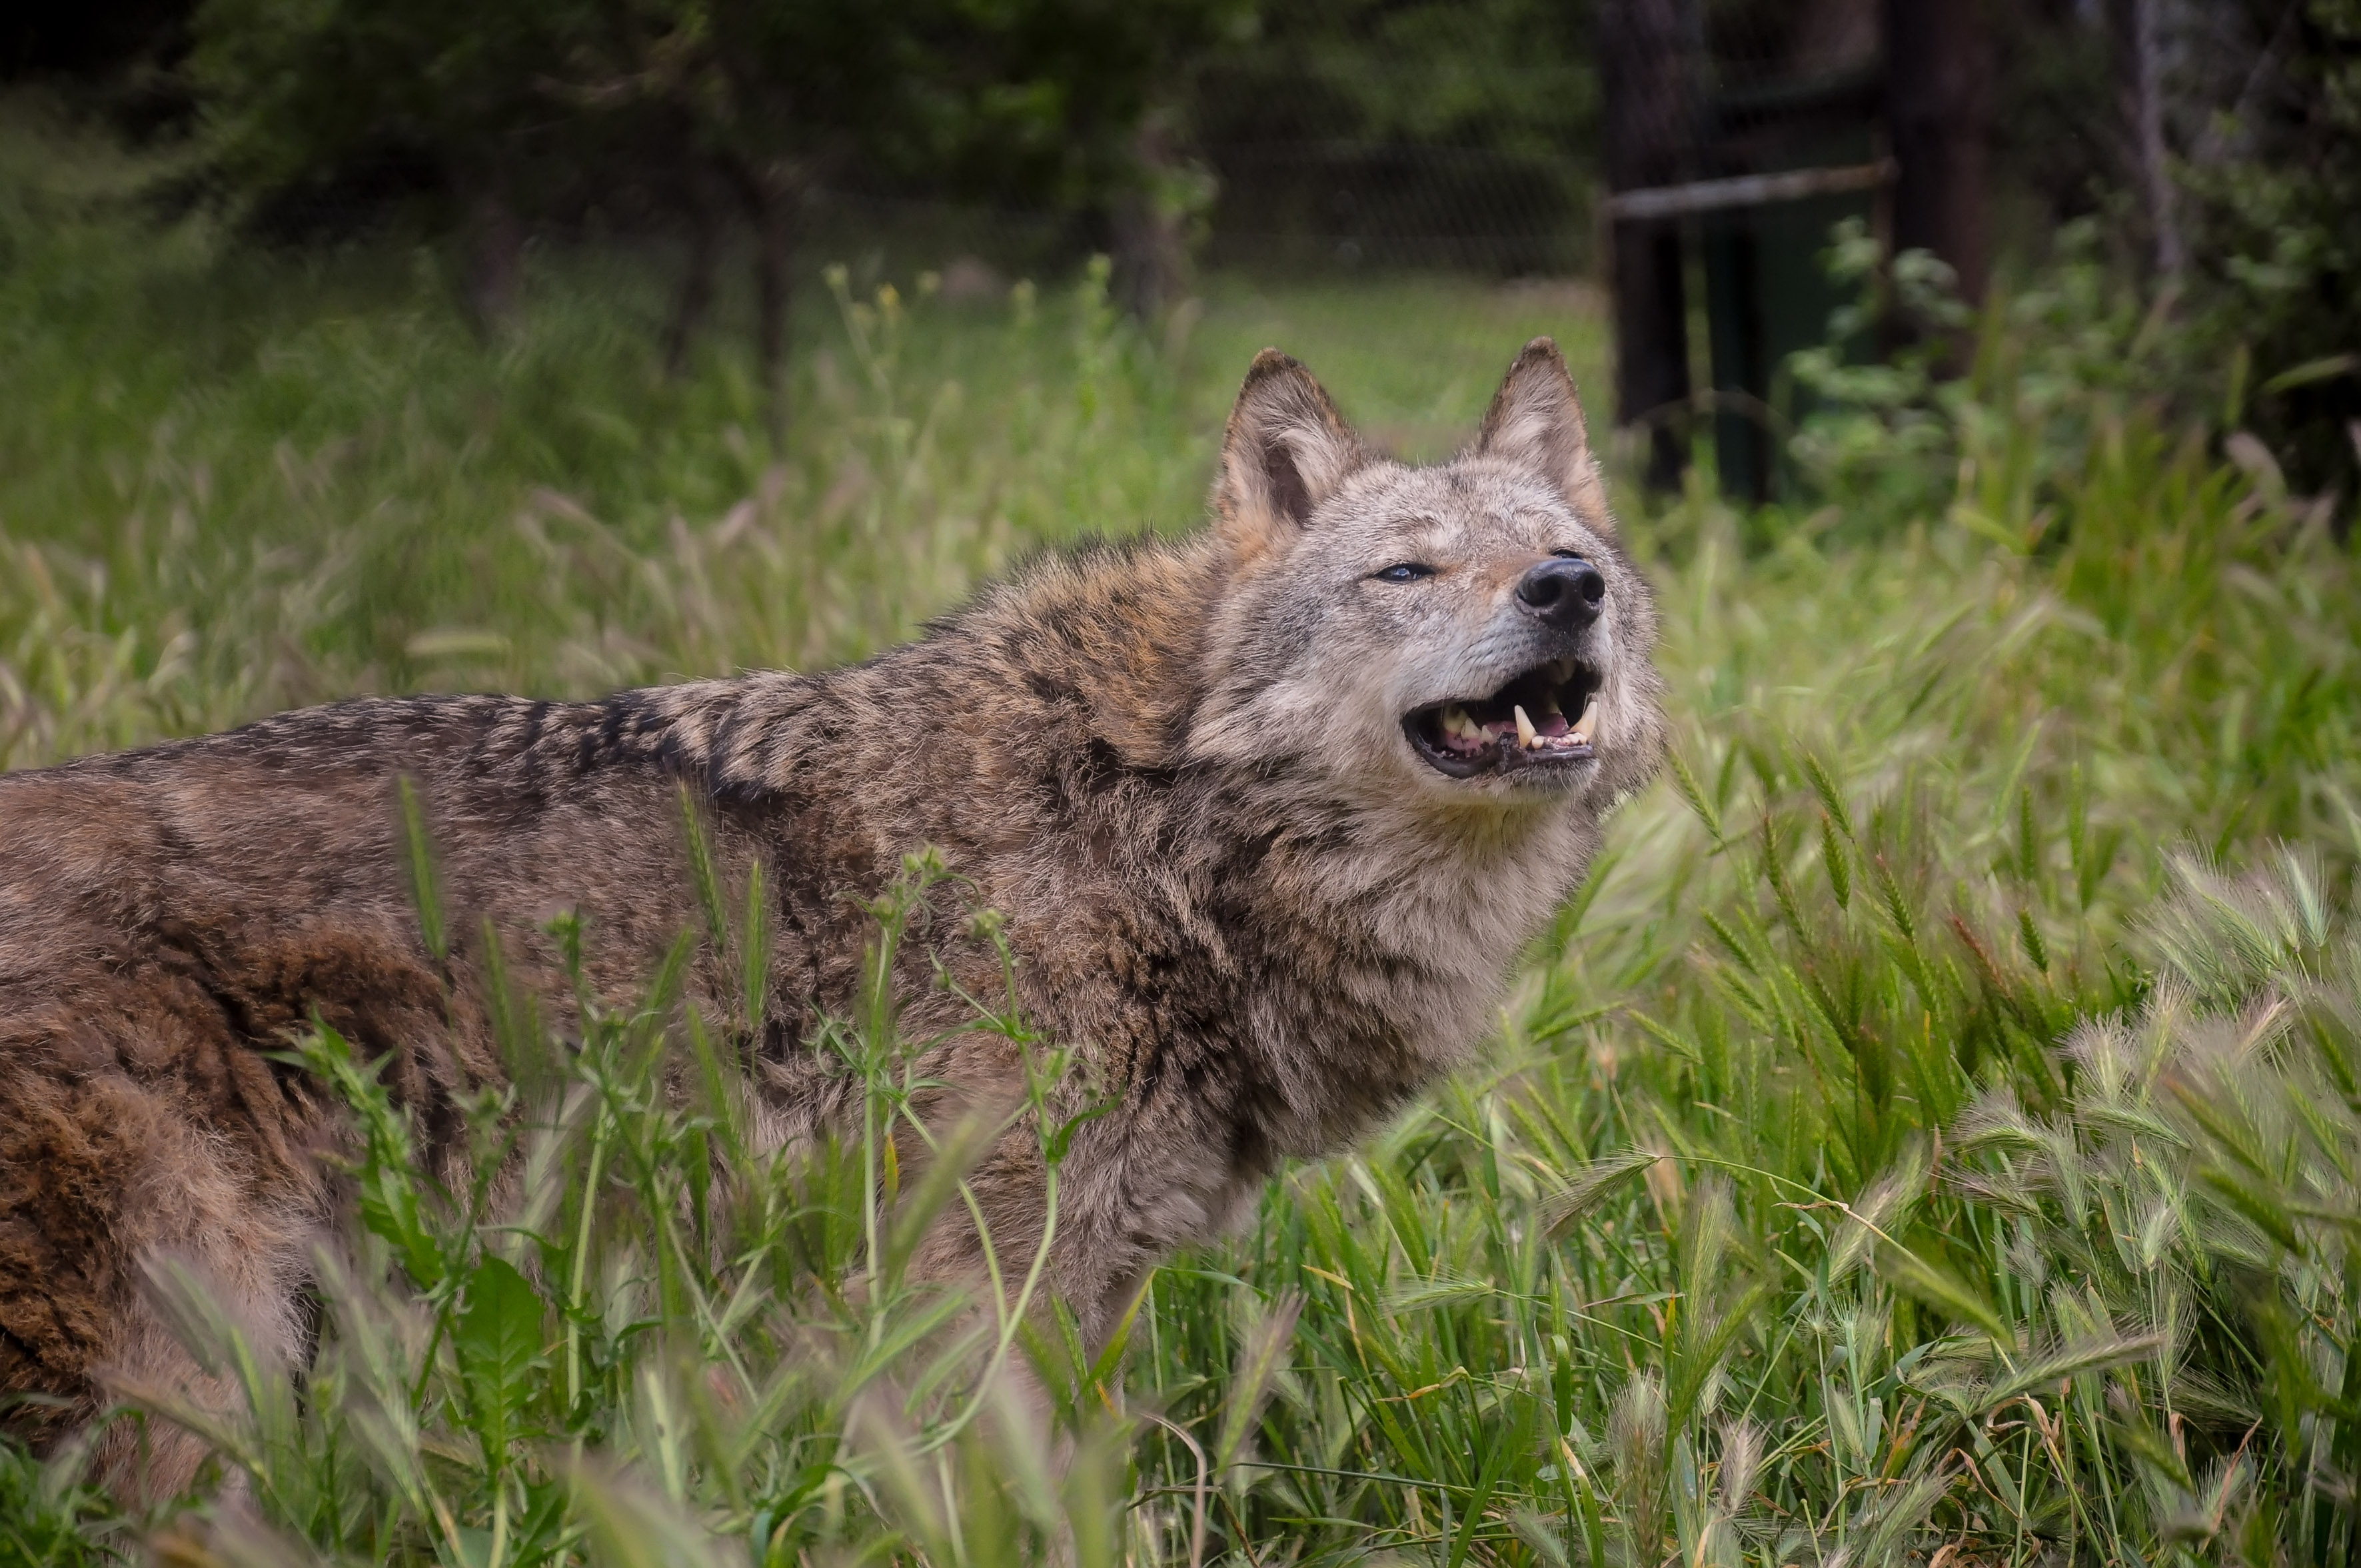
(1266, 814)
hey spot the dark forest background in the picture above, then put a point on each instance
(2209, 149)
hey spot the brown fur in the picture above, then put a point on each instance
(1178, 771)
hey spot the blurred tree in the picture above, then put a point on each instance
(301, 93)
(711, 112)
(2275, 257)
(1453, 132)
(740, 106)
(1085, 106)
(2055, 142)
(2136, 45)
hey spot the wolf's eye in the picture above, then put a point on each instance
(1403, 572)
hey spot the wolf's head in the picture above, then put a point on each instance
(1467, 636)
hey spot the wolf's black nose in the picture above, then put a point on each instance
(1563, 591)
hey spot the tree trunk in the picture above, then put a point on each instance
(695, 301)
(1939, 112)
(1647, 59)
(773, 213)
(2138, 55)
(1151, 222)
(493, 266)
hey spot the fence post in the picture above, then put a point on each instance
(1938, 111)
(1647, 55)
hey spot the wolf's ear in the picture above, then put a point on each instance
(1535, 420)
(1287, 451)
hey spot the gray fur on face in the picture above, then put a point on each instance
(1320, 659)
(1183, 774)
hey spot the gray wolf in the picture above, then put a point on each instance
(1267, 813)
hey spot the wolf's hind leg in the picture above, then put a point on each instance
(102, 1184)
(236, 1277)
(174, 1355)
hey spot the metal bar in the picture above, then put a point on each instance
(1745, 190)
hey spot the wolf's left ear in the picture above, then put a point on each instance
(1287, 451)
(1535, 421)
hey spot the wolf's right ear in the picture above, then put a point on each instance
(1287, 451)
(1535, 420)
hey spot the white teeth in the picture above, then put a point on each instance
(1456, 722)
(1583, 727)
(1527, 735)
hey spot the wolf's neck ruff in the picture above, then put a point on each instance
(1354, 939)
(1267, 815)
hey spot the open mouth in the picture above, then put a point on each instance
(1524, 725)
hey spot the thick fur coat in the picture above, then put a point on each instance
(1265, 832)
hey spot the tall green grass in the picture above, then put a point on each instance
(1931, 1135)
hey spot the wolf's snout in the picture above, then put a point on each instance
(1563, 591)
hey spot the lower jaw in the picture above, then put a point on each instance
(1563, 763)
(1559, 765)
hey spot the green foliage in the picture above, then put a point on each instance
(2046, 367)
(51, 1516)
(1044, 102)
